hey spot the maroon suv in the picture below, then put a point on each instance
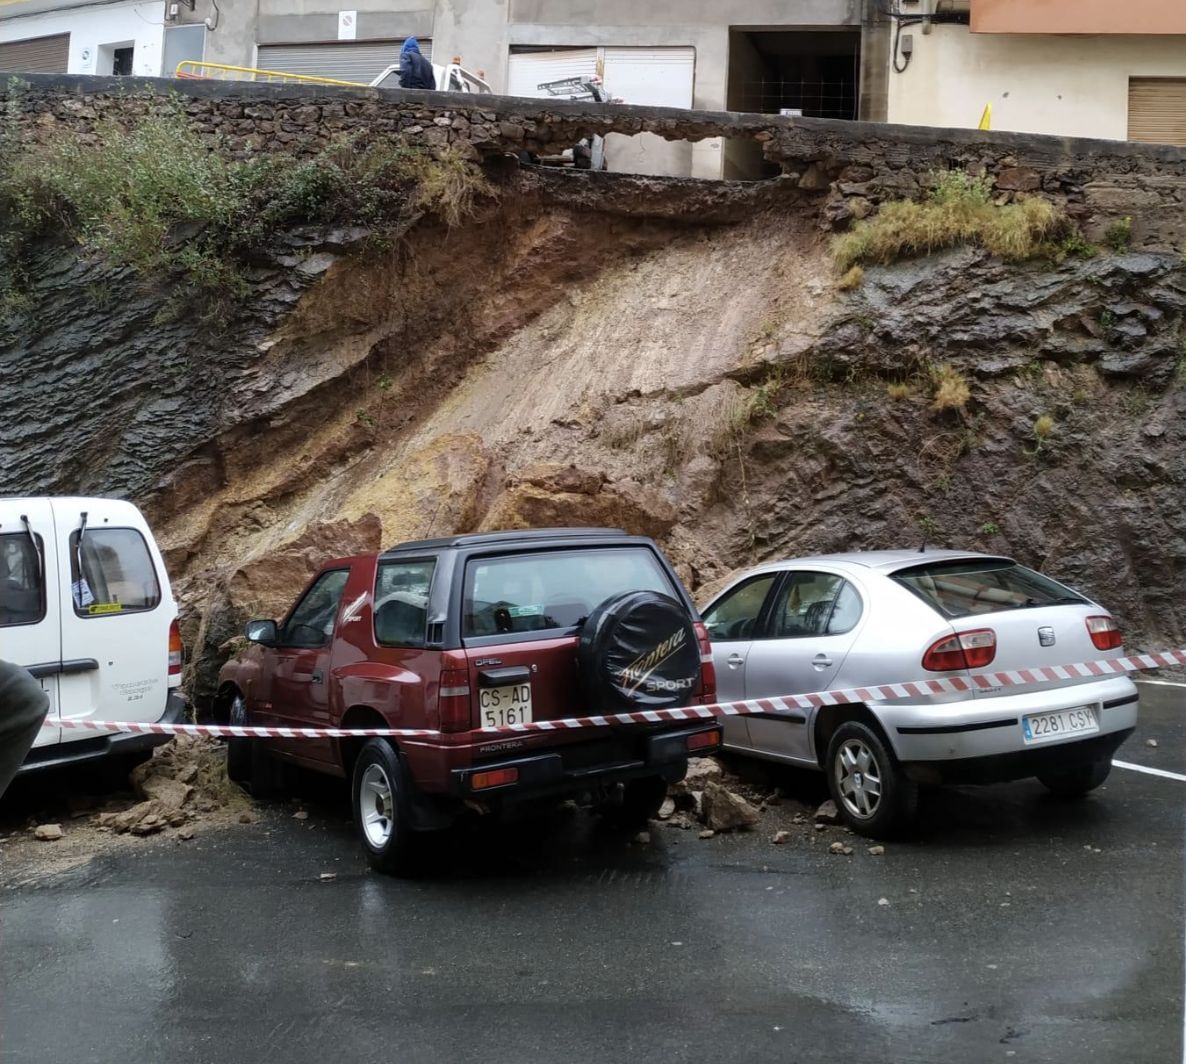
(470, 632)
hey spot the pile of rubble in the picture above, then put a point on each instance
(184, 781)
(709, 796)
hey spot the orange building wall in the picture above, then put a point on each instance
(1079, 16)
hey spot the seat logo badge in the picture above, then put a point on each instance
(1046, 636)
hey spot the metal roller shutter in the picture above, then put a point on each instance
(528, 70)
(360, 61)
(1157, 110)
(38, 55)
(657, 77)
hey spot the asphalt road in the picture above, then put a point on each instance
(1016, 928)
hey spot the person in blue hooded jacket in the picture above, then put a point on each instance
(415, 72)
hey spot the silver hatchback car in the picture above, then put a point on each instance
(883, 617)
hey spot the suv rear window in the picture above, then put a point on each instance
(966, 588)
(556, 589)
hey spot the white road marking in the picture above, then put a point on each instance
(1150, 771)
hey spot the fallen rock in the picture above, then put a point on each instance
(328, 877)
(883, 901)
(1152, 743)
(725, 810)
(780, 837)
(48, 832)
(708, 833)
(821, 827)
(185, 834)
(301, 814)
(643, 838)
(247, 818)
(827, 813)
(667, 809)
(839, 847)
(171, 793)
(876, 851)
(149, 825)
(680, 821)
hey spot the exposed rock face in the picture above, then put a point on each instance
(698, 381)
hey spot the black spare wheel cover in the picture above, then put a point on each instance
(638, 651)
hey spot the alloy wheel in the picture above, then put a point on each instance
(858, 779)
(376, 804)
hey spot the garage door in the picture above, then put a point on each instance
(659, 77)
(38, 55)
(1157, 110)
(360, 61)
(528, 70)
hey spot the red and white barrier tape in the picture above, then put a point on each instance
(785, 704)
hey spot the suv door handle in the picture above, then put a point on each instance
(735, 661)
(821, 662)
(317, 676)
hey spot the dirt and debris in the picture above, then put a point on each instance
(827, 813)
(780, 837)
(876, 851)
(840, 848)
(179, 792)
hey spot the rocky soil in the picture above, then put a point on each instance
(672, 357)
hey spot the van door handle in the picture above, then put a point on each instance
(316, 677)
(735, 661)
(821, 662)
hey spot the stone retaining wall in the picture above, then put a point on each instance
(852, 166)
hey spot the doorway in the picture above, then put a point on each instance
(808, 72)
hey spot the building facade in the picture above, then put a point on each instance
(1086, 68)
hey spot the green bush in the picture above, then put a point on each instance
(158, 197)
(958, 210)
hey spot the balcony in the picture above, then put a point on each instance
(1150, 17)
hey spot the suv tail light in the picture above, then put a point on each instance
(964, 650)
(1104, 632)
(176, 649)
(453, 701)
(708, 672)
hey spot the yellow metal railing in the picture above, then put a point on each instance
(191, 69)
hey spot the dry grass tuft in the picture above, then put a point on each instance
(1043, 427)
(449, 186)
(958, 210)
(951, 389)
(898, 391)
(854, 278)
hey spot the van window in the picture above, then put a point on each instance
(22, 590)
(535, 591)
(117, 573)
(401, 603)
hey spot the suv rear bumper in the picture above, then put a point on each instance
(663, 754)
(94, 748)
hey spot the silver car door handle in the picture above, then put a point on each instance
(735, 661)
(821, 662)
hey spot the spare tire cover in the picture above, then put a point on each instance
(638, 650)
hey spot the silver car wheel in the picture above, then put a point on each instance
(858, 779)
(376, 804)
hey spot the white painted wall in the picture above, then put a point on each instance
(1069, 86)
(94, 29)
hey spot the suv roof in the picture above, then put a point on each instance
(533, 535)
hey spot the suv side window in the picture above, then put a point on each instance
(401, 603)
(117, 573)
(311, 622)
(22, 592)
(736, 615)
(815, 604)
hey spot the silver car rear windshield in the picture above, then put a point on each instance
(535, 591)
(967, 588)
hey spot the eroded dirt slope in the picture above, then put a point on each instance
(678, 364)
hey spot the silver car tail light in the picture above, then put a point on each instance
(964, 650)
(1104, 632)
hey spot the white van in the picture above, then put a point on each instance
(86, 607)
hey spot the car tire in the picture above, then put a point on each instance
(641, 799)
(380, 793)
(874, 796)
(1076, 782)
